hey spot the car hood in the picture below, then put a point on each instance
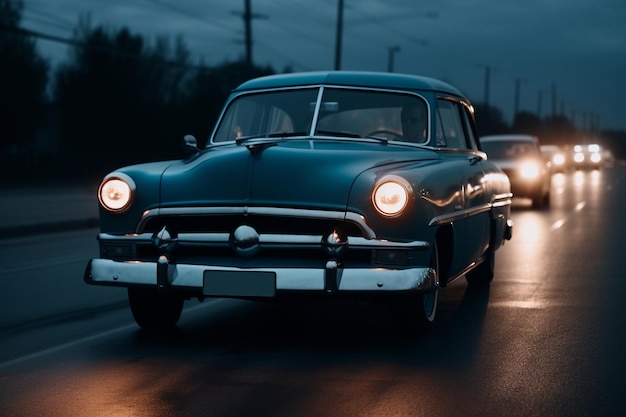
(293, 173)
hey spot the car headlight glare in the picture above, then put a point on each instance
(595, 158)
(529, 170)
(116, 192)
(558, 159)
(391, 196)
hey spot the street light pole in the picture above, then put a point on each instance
(516, 98)
(553, 100)
(487, 80)
(539, 102)
(518, 84)
(392, 51)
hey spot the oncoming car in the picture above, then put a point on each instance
(556, 157)
(309, 188)
(521, 159)
(587, 156)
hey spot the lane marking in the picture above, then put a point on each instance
(557, 224)
(560, 222)
(92, 338)
(57, 348)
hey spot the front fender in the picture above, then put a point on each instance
(432, 195)
(147, 179)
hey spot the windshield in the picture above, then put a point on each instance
(339, 112)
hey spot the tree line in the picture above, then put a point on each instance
(118, 100)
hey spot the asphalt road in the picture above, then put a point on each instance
(547, 339)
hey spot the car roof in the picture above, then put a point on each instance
(353, 79)
(504, 138)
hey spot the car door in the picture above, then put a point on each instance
(455, 135)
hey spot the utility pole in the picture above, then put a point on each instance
(539, 102)
(518, 82)
(553, 100)
(247, 16)
(339, 35)
(487, 80)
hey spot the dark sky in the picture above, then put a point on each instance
(568, 55)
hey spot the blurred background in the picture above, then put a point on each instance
(87, 86)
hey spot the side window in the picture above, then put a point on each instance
(470, 130)
(450, 125)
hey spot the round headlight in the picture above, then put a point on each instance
(391, 196)
(116, 192)
(579, 157)
(595, 158)
(558, 159)
(529, 170)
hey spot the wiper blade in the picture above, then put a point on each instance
(280, 135)
(347, 134)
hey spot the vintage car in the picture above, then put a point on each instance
(556, 157)
(521, 159)
(309, 188)
(587, 156)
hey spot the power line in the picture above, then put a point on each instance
(195, 16)
(247, 17)
(83, 45)
(44, 17)
(381, 21)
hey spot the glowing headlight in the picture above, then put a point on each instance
(529, 170)
(116, 192)
(391, 196)
(558, 159)
(595, 158)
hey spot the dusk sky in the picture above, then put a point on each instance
(576, 48)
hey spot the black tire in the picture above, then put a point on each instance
(483, 274)
(155, 311)
(537, 202)
(541, 201)
(414, 314)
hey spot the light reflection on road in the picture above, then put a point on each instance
(532, 245)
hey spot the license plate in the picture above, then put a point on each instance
(239, 283)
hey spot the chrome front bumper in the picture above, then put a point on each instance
(195, 279)
(169, 272)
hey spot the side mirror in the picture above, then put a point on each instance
(190, 145)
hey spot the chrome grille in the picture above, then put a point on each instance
(262, 224)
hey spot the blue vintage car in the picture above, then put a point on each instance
(322, 185)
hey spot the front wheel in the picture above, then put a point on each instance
(541, 201)
(155, 311)
(415, 314)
